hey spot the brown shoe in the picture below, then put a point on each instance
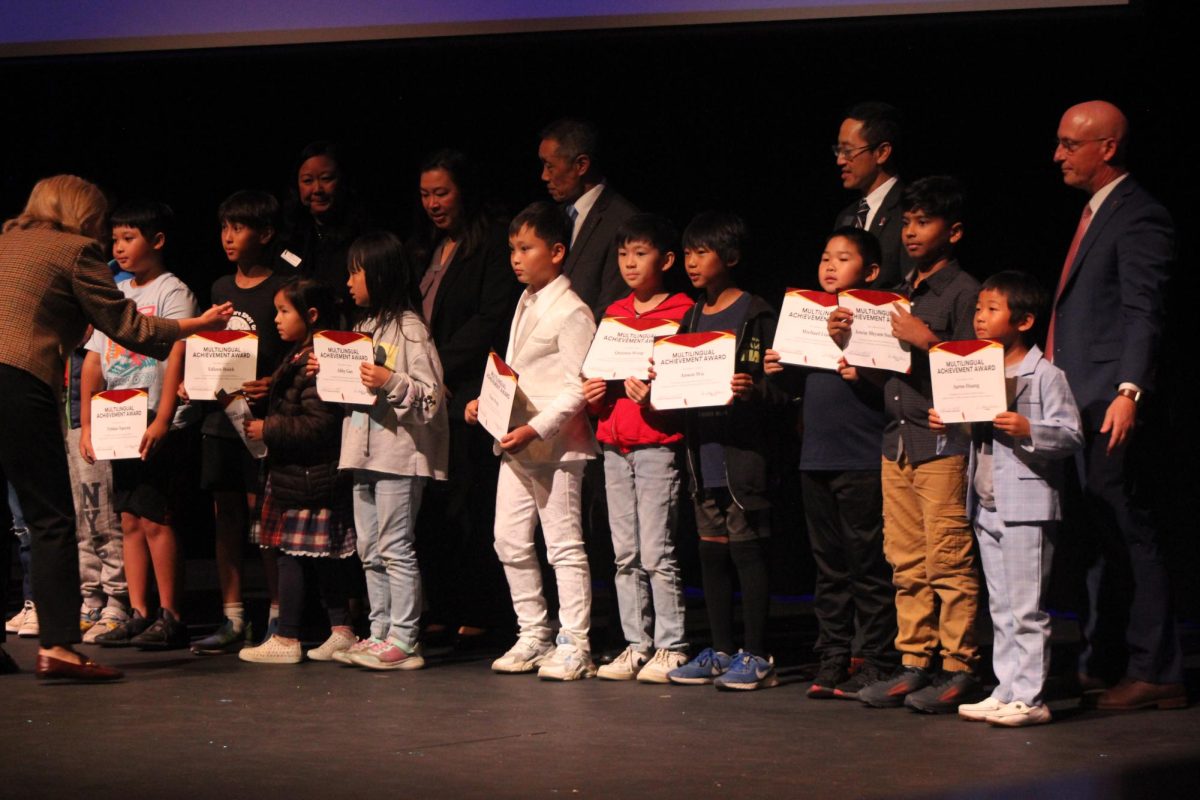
(1130, 695)
(86, 670)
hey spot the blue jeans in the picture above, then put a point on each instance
(385, 516)
(23, 543)
(643, 502)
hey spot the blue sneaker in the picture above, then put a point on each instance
(226, 639)
(701, 669)
(748, 672)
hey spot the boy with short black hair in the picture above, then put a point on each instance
(544, 453)
(1015, 480)
(926, 536)
(249, 221)
(143, 493)
(641, 473)
(728, 461)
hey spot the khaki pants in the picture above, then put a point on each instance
(928, 542)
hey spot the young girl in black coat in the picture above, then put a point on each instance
(306, 510)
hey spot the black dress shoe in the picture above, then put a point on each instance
(87, 670)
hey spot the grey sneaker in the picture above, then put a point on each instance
(569, 662)
(525, 656)
(120, 635)
(624, 667)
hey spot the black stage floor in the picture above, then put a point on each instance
(181, 726)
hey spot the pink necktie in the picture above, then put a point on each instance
(1084, 220)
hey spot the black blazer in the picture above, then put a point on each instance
(887, 228)
(1109, 315)
(592, 261)
(471, 315)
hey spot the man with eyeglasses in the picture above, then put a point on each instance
(1105, 328)
(865, 153)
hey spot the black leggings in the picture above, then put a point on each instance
(334, 579)
(717, 562)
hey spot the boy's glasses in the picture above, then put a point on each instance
(1071, 145)
(850, 153)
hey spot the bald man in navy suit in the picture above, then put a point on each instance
(1105, 331)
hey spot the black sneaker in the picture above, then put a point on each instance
(828, 676)
(121, 635)
(947, 692)
(868, 675)
(167, 633)
(890, 693)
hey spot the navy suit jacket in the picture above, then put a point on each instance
(1109, 314)
(592, 260)
(887, 228)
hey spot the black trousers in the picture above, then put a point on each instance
(33, 458)
(1128, 623)
(844, 514)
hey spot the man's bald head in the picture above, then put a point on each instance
(1091, 144)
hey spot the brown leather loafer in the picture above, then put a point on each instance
(88, 670)
(1130, 695)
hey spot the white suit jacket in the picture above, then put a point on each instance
(547, 355)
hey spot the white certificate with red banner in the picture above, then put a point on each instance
(802, 336)
(341, 355)
(968, 380)
(496, 396)
(219, 360)
(623, 345)
(693, 370)
(871, 341)
(119, 420)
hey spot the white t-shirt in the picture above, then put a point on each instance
(165, 296)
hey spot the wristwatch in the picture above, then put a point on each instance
(1133, 394)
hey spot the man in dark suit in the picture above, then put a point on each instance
(573, 177)
(866, 156)
(1104, 333)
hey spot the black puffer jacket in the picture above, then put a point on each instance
(304, 438)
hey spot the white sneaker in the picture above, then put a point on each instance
(663, 662)
(1018, 715)
(110, 618)
(361, 646)
(336, 643)
(272, 651)
(625, 666)
(14, 623)
(978, 712)
(524, 656)
(29, 626)
(569, 662)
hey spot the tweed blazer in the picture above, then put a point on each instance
(52, 285)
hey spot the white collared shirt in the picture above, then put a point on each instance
(875, 199)
(583, 205)
(1103, 192)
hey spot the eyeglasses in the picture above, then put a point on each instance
(1071, 145)
(851, 153)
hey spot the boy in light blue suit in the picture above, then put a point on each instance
(1015, 474)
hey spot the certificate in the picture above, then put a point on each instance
(237, 408)
(119, 419)
(871, 341)
(622, 347)
(693, 370)
(967, 378)
(802, 336)
(341, 355)
(219, 360)
(496, 396)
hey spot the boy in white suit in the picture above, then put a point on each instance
(544, 452)
(1015, 475)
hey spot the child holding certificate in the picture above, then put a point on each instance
(843, 501)
(926, 536)
(394, 447)
(142, 490)
(306, 512)
(542, 457)
(249, 221)
(1014, 484)
(727, 462)
(641, 474)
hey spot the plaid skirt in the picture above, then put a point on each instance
(322, 532)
